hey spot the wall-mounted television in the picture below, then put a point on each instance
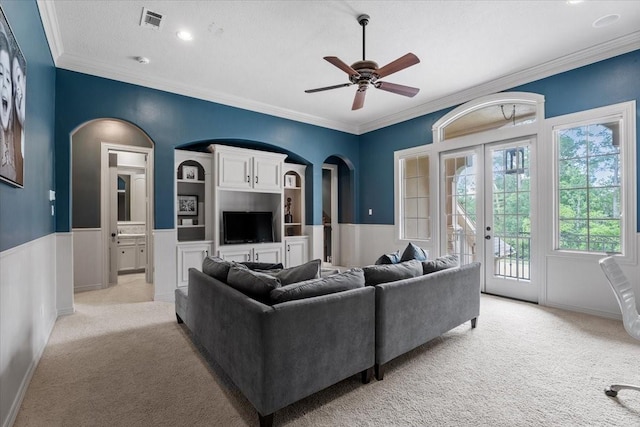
(247, 227)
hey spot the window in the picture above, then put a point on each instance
(594, 208)
(412, 200)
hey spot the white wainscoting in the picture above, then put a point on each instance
(27, 315)
(87, 259)
(316, 241)
(64, 273)
(165, 278)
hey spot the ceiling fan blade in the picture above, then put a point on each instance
(344, 67)
(399, 89)
(358, 101)
(320, 89)
(399, 64)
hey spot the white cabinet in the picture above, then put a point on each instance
(264, 252)
(296, 251)
(131, 253)
(191, 255)
(126, 257)
(244, 169)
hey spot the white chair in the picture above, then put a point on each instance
(627, 301)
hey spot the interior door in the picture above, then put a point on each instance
(113, 218)
(486, 214)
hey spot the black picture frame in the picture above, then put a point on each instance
(12, 114)
(188, 205)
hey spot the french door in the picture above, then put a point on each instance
(486, 213)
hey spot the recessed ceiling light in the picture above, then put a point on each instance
(606, 20)
(184, 35)
(574, 1)
(142, 59)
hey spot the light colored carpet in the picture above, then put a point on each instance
(119, 363)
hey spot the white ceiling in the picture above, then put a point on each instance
(262, 55)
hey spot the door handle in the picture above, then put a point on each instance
(487, 237)
(256, 179)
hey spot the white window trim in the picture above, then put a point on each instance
(626, 110)
(426, 150)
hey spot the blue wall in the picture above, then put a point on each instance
(604, 83)
(173, 120)
(25, 213)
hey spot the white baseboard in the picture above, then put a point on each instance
(85, 288)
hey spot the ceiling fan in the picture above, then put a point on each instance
(365, 73)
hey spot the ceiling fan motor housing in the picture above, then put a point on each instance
(366, 72)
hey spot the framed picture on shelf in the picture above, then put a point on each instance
(289, 181)
(190, 173)
(188, 205)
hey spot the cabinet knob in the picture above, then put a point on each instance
(256, 179)
(288, 248)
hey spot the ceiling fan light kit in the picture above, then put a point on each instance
(366, 72)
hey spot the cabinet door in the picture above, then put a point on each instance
(237, 255)
(141, 260)
(126, 257)
(190, 256)
(234, 171)
(272, 254)
(267, 173)
(295, 252)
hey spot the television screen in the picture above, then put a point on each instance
(247, 227)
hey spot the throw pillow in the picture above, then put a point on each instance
(262, 265)
(216, 267)
(252, 283)
(384, 273)
(392, 258)
(350, 279)
(413, 252)
(441, 263)
(307, 271)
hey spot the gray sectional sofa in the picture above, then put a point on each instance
(411, 312)
(277, 353)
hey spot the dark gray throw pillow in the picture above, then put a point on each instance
(216, 267)
(252, 283)
(376, 274)
(392, 258)
(307, 271)
(262, 265)
(413, 252)
(350, 279)
(441, 263)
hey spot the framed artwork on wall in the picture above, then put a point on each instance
(187, 205)
(12, 107)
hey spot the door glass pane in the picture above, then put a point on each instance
(511, 208)
(460, 206)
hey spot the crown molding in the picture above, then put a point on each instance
(49, 20)
(574, 60)
(108, 71)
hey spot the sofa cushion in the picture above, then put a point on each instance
(441, 263)
(384, 273)
(262, 265)
(252, 283)
(216, 267)
(350, 279)
(392, 258)
(413, 252)
(299, 273)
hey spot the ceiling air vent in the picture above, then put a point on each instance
(150, 19)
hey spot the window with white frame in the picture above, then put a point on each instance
(593, 211)
(413, 195)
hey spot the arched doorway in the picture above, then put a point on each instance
(95, 146)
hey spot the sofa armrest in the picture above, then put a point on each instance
(413, 311)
